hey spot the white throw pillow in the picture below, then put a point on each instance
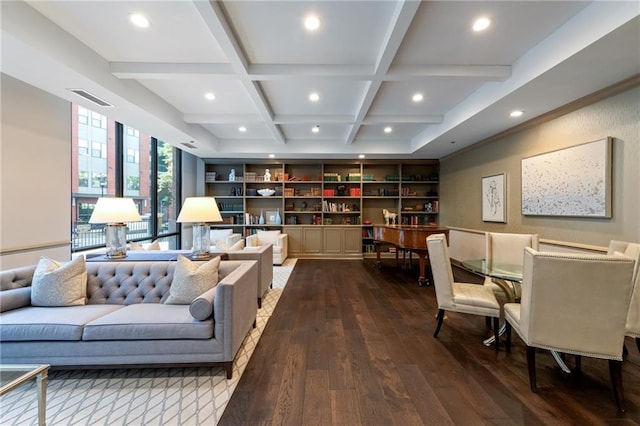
(237, 246)
(191, 279)
(155, 245)
(59, 283)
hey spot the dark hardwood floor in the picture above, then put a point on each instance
(350, 344)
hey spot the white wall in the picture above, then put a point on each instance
(35, 175)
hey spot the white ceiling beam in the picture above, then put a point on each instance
(400, 22)
(401, 119)
(315, 119)
(285, 71)
(215, 19)
(489, 72)
(163, 70)
(222, 118)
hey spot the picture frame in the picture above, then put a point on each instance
(573, 181)
(271, 217)
(494, 198)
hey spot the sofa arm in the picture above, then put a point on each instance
(235, 306)
(251, 241)
(15, 298)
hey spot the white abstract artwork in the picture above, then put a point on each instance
(574, 181)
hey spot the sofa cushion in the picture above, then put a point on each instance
(50, 323)
(191, 279)
(59, 284)
(219, 235)
(239, 245)
(148, 321)
(268, 237)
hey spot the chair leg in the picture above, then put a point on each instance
(487, 321)
(638, 343)
(508, 330)
(496, 332)
(531, 366)
(578, 368)
(440, 318)
(615, 369)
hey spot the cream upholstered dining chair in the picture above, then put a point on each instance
(631, 250)
(458, 297)
(506, 248)
(575, 304)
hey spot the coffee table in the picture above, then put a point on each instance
(14, 375)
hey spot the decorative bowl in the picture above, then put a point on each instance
(266, 192)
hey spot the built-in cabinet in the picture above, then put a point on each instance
(327, 208)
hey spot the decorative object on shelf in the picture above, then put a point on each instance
(261, 220)
(272, 217)
(200, 211)
(252, 192)
(266, 192)
(267, 175)
(341, 190)
(232, 175)
(210, 177)
(278, 218)
(113, 212)
(389, 217)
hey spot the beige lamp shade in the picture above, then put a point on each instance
(199, 210)
(115, 210)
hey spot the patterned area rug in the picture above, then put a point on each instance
(165, 396)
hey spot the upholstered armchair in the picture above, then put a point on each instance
(458, 297)
(509, 249)
(631, 250)
(575, 304)
(225, 239)
(276, 238)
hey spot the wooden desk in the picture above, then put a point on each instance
(407, 237)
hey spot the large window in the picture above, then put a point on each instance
(113, 159)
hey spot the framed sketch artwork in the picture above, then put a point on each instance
(494, 203)
(574, 181)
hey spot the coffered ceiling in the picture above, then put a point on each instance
(365, 62)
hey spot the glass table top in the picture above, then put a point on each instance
(494, 269)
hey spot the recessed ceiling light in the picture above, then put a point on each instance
(361, 156)
(314, 97)
(139, 20)
(388, 129)
(516, 113)
(316, 128)
(481, 24)
(417, 97)
(312, 22)
(272, 156)
(242, 129)
(209, 96)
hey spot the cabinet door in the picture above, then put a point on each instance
(352, 240)
(294, 239)
(333, 240)
(312, 240)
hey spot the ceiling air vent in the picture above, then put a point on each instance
(189, 145)
(91, 98)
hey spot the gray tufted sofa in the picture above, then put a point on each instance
(125, 323)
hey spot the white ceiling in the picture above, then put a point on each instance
(365, 62)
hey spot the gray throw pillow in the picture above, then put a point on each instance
(191, 279)
(59, 283)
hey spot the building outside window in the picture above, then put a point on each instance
(94, 167)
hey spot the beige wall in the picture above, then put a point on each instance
(35, 175)
(617, 116)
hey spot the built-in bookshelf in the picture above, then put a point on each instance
(338, 195)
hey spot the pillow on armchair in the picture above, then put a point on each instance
(268, 237)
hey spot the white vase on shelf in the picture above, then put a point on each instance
(278, 218)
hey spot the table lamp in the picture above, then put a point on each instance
(200, 211)
(113, 212)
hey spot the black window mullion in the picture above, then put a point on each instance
(119, 160)
(154, 187)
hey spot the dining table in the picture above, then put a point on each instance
(508, 277)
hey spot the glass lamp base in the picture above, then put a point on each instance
(201, 242)
(116, 240)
